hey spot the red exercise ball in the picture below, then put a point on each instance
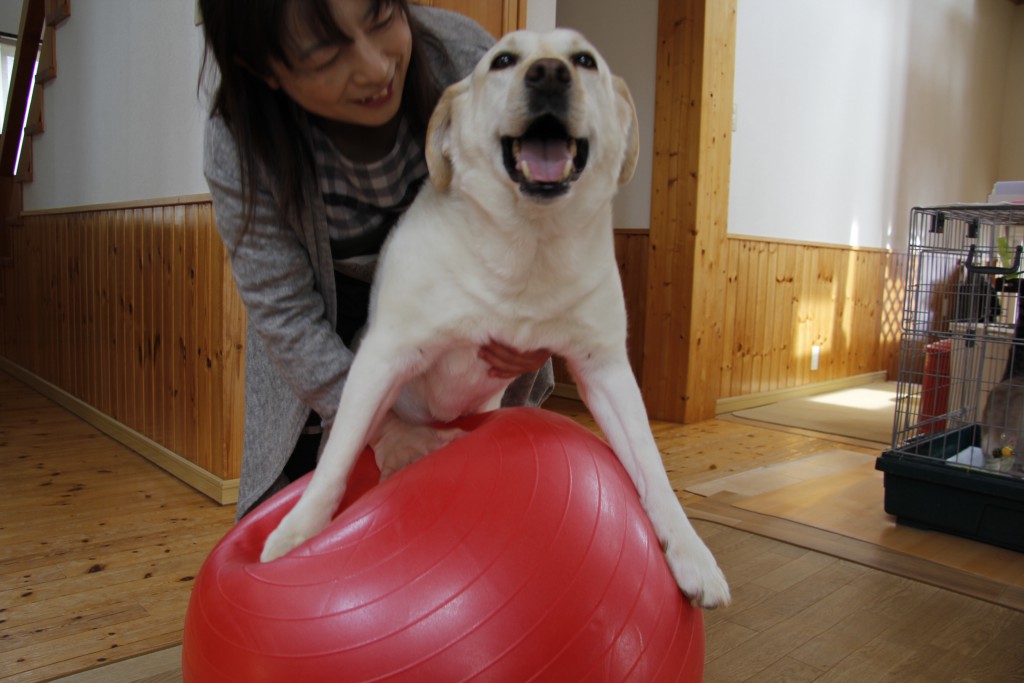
(517, 553)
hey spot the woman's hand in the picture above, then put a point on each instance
(508, 363)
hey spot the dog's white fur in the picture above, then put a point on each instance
(475, 259)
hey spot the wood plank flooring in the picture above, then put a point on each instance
(801, 616)
(98, 547)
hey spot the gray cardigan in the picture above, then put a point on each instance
(285, 275)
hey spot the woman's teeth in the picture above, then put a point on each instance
(379, 96)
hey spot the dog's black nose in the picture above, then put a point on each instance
(549, 75)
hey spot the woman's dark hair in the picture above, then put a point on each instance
(244, 36)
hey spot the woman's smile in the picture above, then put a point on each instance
(379, 99)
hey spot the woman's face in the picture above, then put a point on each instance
(358, 82)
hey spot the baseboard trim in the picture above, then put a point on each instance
(184, 199)
(734, 403)
(223, 491)
(566, 391)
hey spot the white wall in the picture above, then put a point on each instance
(540, 14)
(122, 118)
(10, 16)
(1011, 158)
(626, 35)
(849, 114)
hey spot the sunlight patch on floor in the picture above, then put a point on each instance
(864, 399)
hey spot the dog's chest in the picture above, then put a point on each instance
(457, 383)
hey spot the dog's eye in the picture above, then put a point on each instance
(584, 60)
(503, 61)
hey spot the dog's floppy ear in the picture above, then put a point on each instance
(439, 160)
(627, 117)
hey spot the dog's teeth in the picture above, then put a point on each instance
(572, 148)
(567, 170)
(516, 147)
(525, 169)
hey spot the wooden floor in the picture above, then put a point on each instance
(98, 548)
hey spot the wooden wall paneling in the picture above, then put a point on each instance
(752, 318)
(851, 317)
(892, 310)
(121, 331)
(631, 252)
(44, 315)
(30, 314)
(730, 350)
(140, 313)
(132, 268)
(149, 375)
(155, 301)
(117, 332)
(811, 317)
(832, 292)
(65, 313)
(116, 305)
(732, 360)
(807, 315)
(13, 293)
(765, 297)
(177, 330)
(833, 346)
(189, 306)
(125, 296)
(34, 123)
(496, 16)
(763, 312)
(854, 315)
(57, 11)
(212, 392)
(46, 71)
(787, 300)
(782, 298)
(780, 285)
(130, 316)
(78, 318)
(141, 401)
(100, 247)
(163, 344)
(71, 308)
(154, 312)
(689, 206)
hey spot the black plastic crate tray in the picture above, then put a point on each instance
(923, 490)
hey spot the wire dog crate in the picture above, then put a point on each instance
(957, 457)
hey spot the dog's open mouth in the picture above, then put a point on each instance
(545, 160)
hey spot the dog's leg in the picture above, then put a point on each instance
(373, 384)
(613, 397)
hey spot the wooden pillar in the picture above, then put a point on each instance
(689, 206)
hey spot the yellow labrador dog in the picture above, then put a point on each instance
(511, 241)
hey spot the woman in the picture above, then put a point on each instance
(313, 149)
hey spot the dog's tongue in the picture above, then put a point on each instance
(546, 159)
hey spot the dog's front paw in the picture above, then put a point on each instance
(294, 529)
(698, 575)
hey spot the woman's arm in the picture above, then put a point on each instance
(275, 279)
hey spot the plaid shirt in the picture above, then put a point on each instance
(364, 200)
